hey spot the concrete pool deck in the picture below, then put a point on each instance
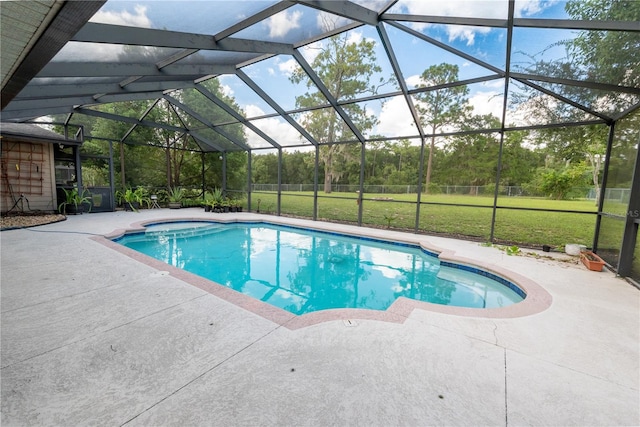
(92, 336)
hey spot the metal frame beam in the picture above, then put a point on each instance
(632, 223)
(273, 104)
(73, 90)
(386, 43)
(94, 32)
(566, 100)
(325, 92)
(346, 9)
(577, 83)
(125, 69)
(447, 48)
(447, 20)
(503, 119)
(576, 24)
(236, 115)
(254, 19)
(203, 120)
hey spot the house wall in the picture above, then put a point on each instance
(27, 168)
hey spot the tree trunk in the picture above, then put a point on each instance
(373, 164)
(122, 177)
(328, 168)
(167, 155)
(596, 162)
(328, 162)
(176, 165)
(429, 162)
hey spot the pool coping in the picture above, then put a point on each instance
(537, 298)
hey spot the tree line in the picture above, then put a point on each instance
(549, 161)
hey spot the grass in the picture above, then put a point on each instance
(522, 227)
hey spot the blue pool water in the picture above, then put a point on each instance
(302, 271)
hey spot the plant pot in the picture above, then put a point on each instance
(72, 210)
(131, 206)
(592, 261)
(175, 205)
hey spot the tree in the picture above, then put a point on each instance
(402, 163)
(236, 162)
(440, 108)
(609, 56)
(264, 169)
(135, 164)
(519, 163)
(346, 69)
(558, 184)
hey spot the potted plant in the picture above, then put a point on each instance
(226, 205)
(141, 198)
(74, 202)
(592, 261)
(175, 197)
(128, 199)
(233, 204)
(217, 197)
(208, 202)
(238, 202)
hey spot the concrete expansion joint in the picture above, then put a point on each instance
(202, 374)
(506, 400)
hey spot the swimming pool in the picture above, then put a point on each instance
(303, 271)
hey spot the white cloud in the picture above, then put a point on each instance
(99, 52)
(287, 67)
(281, 132)
(355, 37)
(467, 33)
(489, 9)
(253, 110)
(487, 103)
(226, 90)
(137, 19)
(395, 119)
(496, 9)
(413, 81)
(532, 7)
(283, 22)
(309, 52)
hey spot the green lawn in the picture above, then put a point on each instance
(523, 227)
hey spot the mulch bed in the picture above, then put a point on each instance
(23, 220)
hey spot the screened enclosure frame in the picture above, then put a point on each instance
(77, 87)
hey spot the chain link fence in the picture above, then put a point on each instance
(614, 194)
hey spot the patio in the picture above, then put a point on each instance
(108, 340)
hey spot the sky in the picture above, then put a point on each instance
(299, 22)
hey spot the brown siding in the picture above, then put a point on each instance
(27, 169)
